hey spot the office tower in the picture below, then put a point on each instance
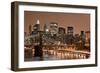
(61, 35)
(30, 29)
(76, 38)
(70, 38)
(61, 30)
(82, 39)
(87, 34)
(36, 27)
(70, 31)
(46, 28)
(82, 35)
(53, 28)
(87, 40)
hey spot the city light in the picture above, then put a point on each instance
(54, 43)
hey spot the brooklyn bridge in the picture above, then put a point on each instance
(41, 47)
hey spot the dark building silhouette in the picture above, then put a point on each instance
(30, 29)
(70, 38)
(76, 38)
(82, 36)
(61, 35)
(82, 40)
(70, 31)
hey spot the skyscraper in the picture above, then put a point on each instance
(87, 40)
(70, 38)
(70, 31)
(36, 27)
(77, 38)
(87, 33)
(53, 28)
(30, 29)
(82, 35)
(46, 28)
(61, 30)
(82, 38)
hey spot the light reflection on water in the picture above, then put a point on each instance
(58, 54)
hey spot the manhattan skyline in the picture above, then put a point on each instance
(80, 22)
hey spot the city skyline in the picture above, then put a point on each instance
(50, 39)
(46, 18)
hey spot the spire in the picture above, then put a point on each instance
(37, 22)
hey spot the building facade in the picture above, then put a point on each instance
(53, 28)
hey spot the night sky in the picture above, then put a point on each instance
(80, 22)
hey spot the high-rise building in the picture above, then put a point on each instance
(77, 38)
(36, 27)
(61, 30)
(54, 28)
(30, 29)
(82, 35)
(70, 31)
(70, 38)
(61, 35)
(82, 39)
(87, 34)
(46, 28)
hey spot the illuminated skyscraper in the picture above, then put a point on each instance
(87, 40)
(53, 28)
(87, 33)
(46, 28)
(36, 27)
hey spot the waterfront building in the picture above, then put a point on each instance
(70, 37)
(54, 28)
(36, 27)
(61, 30)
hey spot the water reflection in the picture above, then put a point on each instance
(58, 53)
